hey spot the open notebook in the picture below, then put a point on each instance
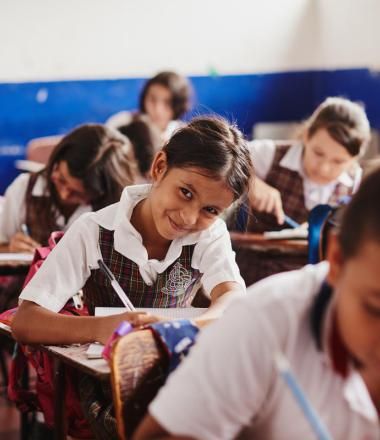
(94, 351)
(287, 234)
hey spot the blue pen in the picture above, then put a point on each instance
(312, 417)
(291, 222)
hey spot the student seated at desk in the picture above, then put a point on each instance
(293, 177)
(87, 170)
(164, 98)
(161, 241)
(325, 319)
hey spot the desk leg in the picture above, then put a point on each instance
(25, 416)
(59, 401)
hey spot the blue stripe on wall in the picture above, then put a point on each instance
(31, 110)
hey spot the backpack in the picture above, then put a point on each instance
(42, 398)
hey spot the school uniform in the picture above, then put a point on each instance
(22, 204)
(279, 164)
(24, 200)
(230, 388)
(204, 257)
(125, 117)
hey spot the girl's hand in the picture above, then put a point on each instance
(22, 243)
(108, 324)
(265, 198)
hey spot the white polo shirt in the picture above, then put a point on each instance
(70, 263)
(14, 207)
(229, 388)
(263, 151)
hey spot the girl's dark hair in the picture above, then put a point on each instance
(361, 218)
(345, 121)
(216, 146)
(145, 140)
(179, 88)
(99, 157)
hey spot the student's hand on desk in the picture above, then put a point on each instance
(110, 323)
(265, 198)
(22, 243)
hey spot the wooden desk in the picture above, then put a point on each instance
(259, 257)
(75, 357)
(14, 267)
(249, 240)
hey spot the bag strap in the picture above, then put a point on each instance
(176, 337)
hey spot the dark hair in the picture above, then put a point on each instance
(145, 140)
(214, 145)
(345, 121)
(99, 157)
(179, 88)
(361, 218)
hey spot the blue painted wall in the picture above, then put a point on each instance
(30, 110)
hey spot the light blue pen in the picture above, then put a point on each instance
(291, 222)
(316, 423)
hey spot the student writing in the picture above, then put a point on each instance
(87, 170)
(293, 177)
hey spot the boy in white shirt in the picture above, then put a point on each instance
(325, 318)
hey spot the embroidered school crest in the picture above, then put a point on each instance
(178, 281)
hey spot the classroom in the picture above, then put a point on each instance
(189, 220)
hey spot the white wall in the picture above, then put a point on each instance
(75, 39)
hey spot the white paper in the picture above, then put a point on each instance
(94, 351)
(15, 256)
(170, 312)
(285, 234)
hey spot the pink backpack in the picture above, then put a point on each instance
(42, 398)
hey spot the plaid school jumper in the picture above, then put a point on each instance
(255, 265)
(34, 206)
(175, 287)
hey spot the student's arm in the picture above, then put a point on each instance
(265, 198)
(12, 217)
(34, 324)
(221, 298)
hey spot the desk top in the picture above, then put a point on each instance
(75, 356)
(258, 242)
(14, 264)
(72, 355)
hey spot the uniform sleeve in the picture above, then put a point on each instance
(67, 267)
(215, 259)
(223, 383)
(262, 154)
(13, 212)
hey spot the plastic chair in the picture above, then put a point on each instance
(39, 149)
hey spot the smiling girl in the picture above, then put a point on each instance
(155, 232)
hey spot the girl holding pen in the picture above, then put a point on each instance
(87, 170)
(295, 176)
(161, 242)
